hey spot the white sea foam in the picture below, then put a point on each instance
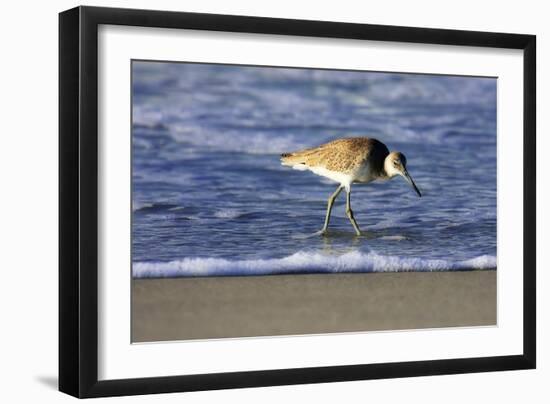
(140, 205)
(266, 111)
(304, 262)
(394, 238)
(237, 141)
(227, 214)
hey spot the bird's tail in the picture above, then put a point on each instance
(295, 160)
(289, 159)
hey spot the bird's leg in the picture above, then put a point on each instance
(349, 212)
(329, 208)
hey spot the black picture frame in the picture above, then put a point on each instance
(78, 201)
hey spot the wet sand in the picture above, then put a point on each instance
(220, 307)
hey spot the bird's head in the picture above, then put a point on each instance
(396, 164)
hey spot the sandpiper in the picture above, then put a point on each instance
(347, 161)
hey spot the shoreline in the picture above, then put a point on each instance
(310, 273)
(165, 309)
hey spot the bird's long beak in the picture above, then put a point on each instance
(409, 179)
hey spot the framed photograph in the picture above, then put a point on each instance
(251, 201)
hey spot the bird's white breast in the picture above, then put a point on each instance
(337, 176)
(362, 174)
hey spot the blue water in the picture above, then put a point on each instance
(211, 198)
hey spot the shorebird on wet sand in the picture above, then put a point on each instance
(347, 161)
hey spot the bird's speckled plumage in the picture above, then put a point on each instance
(342, 155)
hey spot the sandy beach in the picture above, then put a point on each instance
(221, 307)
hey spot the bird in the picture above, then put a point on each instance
(347, 161)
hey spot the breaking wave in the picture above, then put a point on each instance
(305, 262)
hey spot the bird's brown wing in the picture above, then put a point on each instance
(341, 155)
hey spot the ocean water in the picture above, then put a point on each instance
(210, 196)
